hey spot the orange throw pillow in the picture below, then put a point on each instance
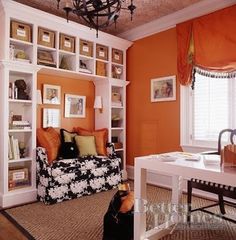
(101, 137)
(49, 139)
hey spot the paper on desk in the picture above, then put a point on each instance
(211, 159)
(172, 156)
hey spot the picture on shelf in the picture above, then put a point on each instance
(163, 89)
(51, 117)
(75, 106)
(51, 94)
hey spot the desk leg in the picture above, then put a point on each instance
(139, 205)
(176, 189)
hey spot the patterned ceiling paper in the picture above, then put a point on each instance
(147, 11)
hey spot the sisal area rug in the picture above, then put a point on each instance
(82, 219)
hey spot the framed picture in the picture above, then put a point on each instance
(163, 89)
(51, 94)
(51, 117)
(75, 106)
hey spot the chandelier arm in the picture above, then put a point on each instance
(99, 13)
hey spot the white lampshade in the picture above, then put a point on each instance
(98, 102)
(39, 97)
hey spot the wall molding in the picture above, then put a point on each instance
(170, 21)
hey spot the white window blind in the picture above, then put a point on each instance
(214, 105)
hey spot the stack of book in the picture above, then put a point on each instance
(13, 148)
(20, 125)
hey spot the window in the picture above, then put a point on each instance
(207, 109)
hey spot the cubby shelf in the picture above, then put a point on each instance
(20, 160)
(67, 53)
(19, 130)
(20, 101)
(41, 47)
(117, 107)
(20, 42)
(22, 189)
(119, 149)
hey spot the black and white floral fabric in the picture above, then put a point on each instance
(72, 178)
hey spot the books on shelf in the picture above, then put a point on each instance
(20, 125)
(13, 148)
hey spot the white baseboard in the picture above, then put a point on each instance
(161, 180)
(18, 198)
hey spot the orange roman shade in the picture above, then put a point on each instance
(214, 40)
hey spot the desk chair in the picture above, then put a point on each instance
(219, 189)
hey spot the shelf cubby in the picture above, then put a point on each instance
(67, 60)
(86, 64)
(21, 51)
(19, 175)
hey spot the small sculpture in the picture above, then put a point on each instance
(83, 65)
(21, 87)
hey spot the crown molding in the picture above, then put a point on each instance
(170, 21)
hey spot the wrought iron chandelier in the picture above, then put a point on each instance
(97, 13)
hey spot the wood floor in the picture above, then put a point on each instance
(9, 231)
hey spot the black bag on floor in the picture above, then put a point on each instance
(116, 225)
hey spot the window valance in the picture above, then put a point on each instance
(208, 42)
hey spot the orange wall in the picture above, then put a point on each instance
(70, 86)
(151, 127)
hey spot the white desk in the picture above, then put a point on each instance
(179, 169)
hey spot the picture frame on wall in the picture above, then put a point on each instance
(163, 89)
(75, 106)
(51, 94)
(51, 117)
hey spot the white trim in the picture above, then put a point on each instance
(18, 197)
(170, 21)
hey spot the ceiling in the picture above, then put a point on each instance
(147, 11)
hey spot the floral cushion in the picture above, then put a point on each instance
(63, 166)
(72, 178)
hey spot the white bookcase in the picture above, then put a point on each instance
(104, 119)
(16, 165)
(11, 69)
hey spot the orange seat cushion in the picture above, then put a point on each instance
(101, 137)
(49, 139)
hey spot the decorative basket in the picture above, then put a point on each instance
(67, 43)
(117, 56)
(86, 48)
(102, 52)
(46, 37)
(18, 178)
(21, 31)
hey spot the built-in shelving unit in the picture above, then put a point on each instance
(49, 45)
